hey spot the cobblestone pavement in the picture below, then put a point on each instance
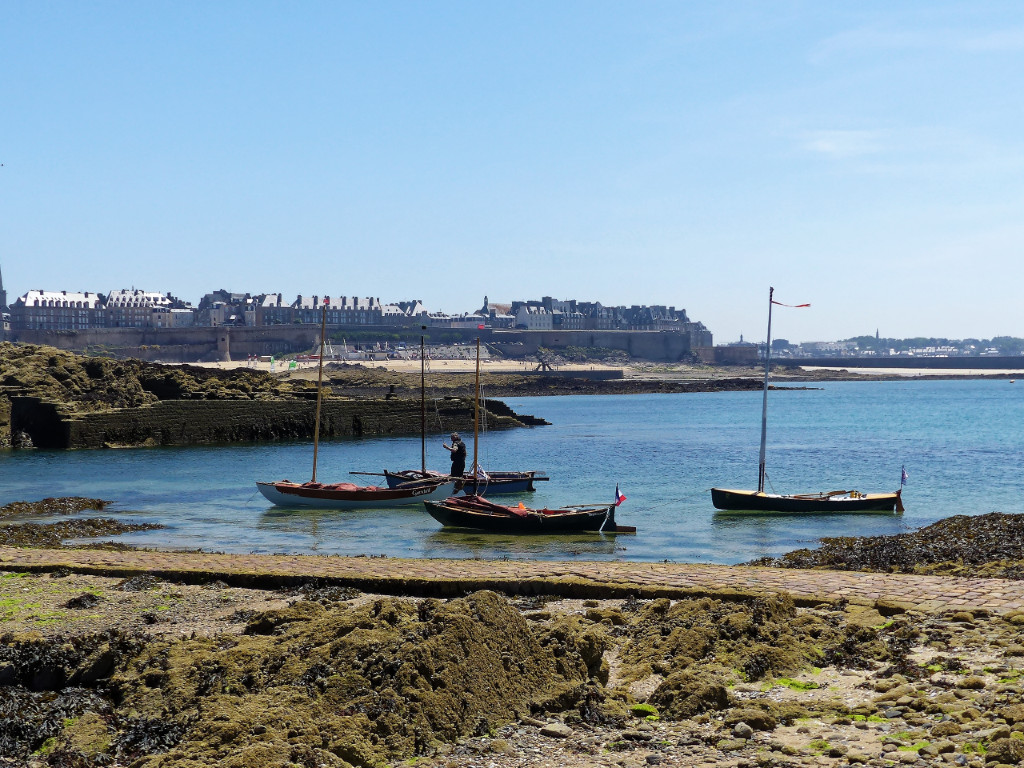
(568, 579)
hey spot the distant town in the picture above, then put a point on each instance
(877, 346)
(39, 313)
(137, 308)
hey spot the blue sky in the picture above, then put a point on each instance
(866, 157)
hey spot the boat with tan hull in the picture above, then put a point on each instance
(285, 493)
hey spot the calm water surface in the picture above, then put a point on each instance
(962, 443)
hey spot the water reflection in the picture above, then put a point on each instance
(770, 534)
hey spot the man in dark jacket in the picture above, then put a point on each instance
(458, 452)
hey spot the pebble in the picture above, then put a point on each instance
(742, 731)
(557, 731)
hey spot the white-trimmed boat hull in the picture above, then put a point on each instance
(346, 496)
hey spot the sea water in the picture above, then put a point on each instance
(961, 441)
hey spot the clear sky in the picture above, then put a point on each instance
(867, 157)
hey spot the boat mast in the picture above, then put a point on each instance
(476, 409)
(423, 408)
(319, 387)
(764, 403)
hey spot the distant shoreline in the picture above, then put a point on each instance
(956, 373)
(631, 371)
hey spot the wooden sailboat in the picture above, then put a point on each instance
(348, 495)
(481, 514)
(823, 502)
(481, 483)
(476, 481)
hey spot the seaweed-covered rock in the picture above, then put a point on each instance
(52, 535)
(365, 684)
(763, 636)
(64, 505)
(688, 693)
(95, 383)
(1006, 751)
(984, 545)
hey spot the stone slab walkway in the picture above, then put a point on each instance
(581, 579)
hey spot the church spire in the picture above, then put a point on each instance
(3, 294)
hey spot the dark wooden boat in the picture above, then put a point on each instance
(495, 483)
(828, 502)
(475, 481)
(478, 513)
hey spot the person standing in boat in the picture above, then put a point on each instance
(458, 452)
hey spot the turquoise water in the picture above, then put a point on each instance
(962, 443)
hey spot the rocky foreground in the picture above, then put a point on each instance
(102, 670)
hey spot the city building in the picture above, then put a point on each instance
(58, 311)
(135, 308)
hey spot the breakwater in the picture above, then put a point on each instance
(201, 422)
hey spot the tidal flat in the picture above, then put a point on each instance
(100, 669)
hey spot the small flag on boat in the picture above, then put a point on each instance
(903, 476)
(619, 498)
(480, 474)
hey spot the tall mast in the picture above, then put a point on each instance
(476, 409)
(423, 408)
(764, 403)
(319, 388)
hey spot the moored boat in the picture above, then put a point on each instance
(347, 495)
(827, 502)
(823, 502)
(285, 493)
(496, 482)
(478, 513)
(475, 481)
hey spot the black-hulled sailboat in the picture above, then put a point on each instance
(822, 502)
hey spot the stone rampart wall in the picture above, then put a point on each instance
(648, 345)
(174, 345)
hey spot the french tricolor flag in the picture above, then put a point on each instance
(619, 498)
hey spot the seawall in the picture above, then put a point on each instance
(177, 345)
